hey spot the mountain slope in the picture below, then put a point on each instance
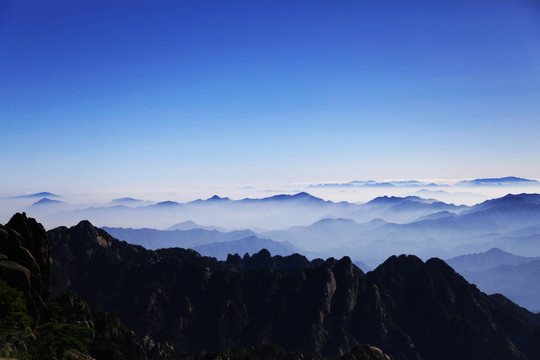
(518, 282)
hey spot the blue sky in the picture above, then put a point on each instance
(100, 95)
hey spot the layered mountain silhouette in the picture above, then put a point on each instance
(508, 180)
(497, 271)
(517, 282)
(47, 202)
(249, 245)
(510, 223)
(36, 196)
(325, 234)
(275, 212)
(369, 232)
(487, 260)
(190, 225)
(409, 308)
(157, 239)
(283, 211)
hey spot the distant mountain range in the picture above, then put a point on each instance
(207, 242)
(325, 234)
(271, 213)
(158, 239)
(367, 232)
(373, 183)
(510, 223)
(487, 260)
(278, 211)
(497, 271)
(508, 180)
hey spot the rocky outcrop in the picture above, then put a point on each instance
(25, 261)
(428, 306)
(25, 265)
(407, 308)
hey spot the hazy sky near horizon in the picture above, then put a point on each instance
(101, 95)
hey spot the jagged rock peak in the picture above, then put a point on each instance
(26, 260)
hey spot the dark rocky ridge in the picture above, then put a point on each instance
(408, 308)
(25, 265)
(25, 261)
(66, 321)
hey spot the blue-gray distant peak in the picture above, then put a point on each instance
(190, 225)
(299, 197)
(36, 195)
(47, 201)
(385, 199)
(335, 220)
(508, 180)
(250, 245)
(302, 196)
(510, 200)
(217, 198)
(126, 199)
(167, 204)
(396, 199)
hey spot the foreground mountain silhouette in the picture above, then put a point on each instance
(34, 328)
(31, 326)
(408, 308)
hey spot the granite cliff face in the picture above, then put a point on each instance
(44, 327)
(408, 308)
(25, 261)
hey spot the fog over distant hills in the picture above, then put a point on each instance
(368, 232)
(217, 174)
(459, 192)
(504, 181)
